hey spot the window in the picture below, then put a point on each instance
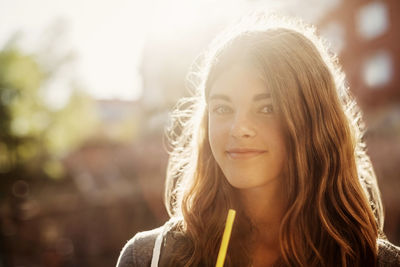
(372, 20)
(378, 69)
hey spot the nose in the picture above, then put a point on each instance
(242, 127)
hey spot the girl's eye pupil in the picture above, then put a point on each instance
(267, 109)
(222, 110)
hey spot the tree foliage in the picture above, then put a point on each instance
(33, 136)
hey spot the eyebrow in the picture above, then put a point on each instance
(261, 96)
(257, 97)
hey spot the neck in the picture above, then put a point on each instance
(265, 207)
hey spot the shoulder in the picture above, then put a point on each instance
(138, 250)
(388, 254)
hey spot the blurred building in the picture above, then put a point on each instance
(120, 120)
(365, 35)
(118, 162)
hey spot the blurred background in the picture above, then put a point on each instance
(85, 91)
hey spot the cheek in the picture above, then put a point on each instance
(273, 135)
(279, 147)
(216, 135)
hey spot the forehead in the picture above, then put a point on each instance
(239, 81)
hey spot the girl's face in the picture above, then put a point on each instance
(244, 132)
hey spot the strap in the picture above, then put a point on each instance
(157, 250)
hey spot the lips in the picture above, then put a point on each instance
(244, 153)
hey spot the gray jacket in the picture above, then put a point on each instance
(138, 251)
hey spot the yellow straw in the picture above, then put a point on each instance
(225, 238)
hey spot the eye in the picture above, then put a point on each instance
(222, 109)
(267, 109)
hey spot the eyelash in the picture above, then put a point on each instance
(218, 109)
(269, 109)
(223, 109)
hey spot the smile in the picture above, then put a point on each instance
(244, 153)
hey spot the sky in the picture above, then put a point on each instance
(106, 37)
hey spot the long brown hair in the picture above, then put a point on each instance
(334, 212)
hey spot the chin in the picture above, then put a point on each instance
(240, 183)
(258, 182)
